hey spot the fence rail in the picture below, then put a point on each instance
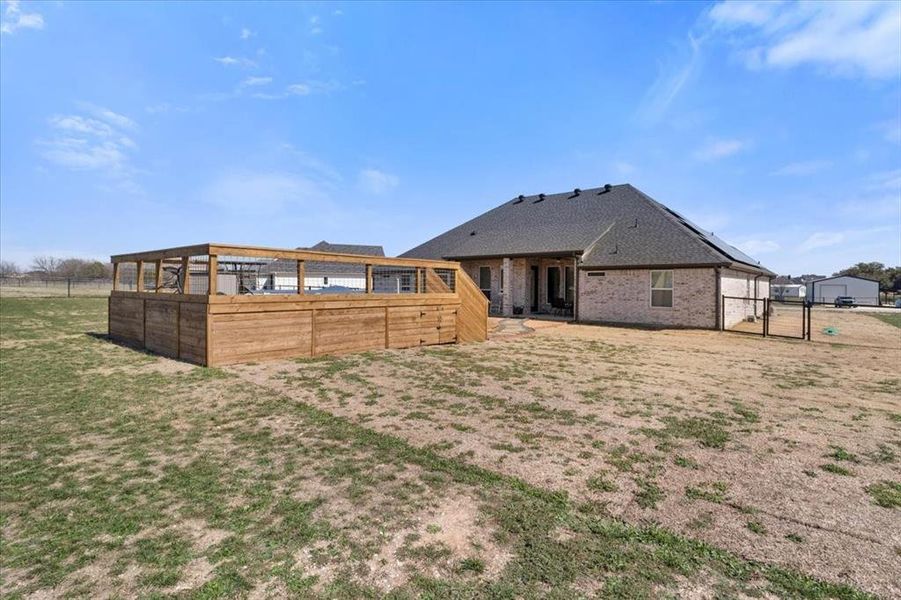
(54, 287)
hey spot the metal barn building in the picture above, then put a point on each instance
(864, 291)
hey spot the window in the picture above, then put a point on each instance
(485, 281)
(662, 289)
(553, 284)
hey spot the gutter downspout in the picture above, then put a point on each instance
(717, 273)
(756, 293)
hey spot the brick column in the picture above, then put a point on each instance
(507, 270)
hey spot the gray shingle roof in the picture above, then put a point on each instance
(324, 246)
(621, 227)
(319, 269)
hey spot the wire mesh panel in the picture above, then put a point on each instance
(786, 319)
(257, 275)
(128, 276)
(448, 276)
(149, 279)
(324, 277)
(253, 275)
(198, 281)
(170, 279)
(393, 280)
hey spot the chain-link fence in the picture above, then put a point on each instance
(55, 287)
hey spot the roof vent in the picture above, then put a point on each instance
(540, 199)
(576, 192)
(606, 189)
(519, 199)
(472, 233)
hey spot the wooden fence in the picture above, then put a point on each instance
(179, 308)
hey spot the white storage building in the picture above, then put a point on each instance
(863, 290)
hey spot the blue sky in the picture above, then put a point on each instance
(128, 127)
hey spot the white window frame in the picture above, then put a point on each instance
(671, 289)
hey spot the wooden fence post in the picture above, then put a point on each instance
(159, 276)
(213, 275)
(368, 279)
(139, 277)
(115, 276)
(301, 276)
(185, 274)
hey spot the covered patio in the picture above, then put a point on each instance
(527, 285)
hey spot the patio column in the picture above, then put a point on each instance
(507, 299)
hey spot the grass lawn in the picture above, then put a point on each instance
(893, 318)
(125, 474)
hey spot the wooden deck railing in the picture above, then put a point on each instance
(182, 306)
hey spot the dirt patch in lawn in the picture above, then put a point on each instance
(764, 447)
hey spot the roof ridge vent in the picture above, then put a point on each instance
(541, 198)
(576, 192)
(519, 199)
(606, 189)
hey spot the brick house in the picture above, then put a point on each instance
(609, 254)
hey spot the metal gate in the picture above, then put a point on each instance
(765, 317)
(787, 319)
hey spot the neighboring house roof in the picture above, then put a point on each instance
(324, 268)
(612, 226)
(789, 280)
(324, 246)
(876, 281)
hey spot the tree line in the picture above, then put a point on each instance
(889, 278)
(50, 266)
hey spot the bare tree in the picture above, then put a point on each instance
(7, 268)
(48, 265)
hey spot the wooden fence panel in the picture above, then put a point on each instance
(215, 329)
(161, 327)
(126, 319)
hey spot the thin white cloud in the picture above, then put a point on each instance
(250, 192)
(304, 88)
(235, 61)
(624, 168)
(80, 124)
(804, 167)
(96, 140)
(827, 239)
(165, 107)
(841, 38)
(673, 76)
(890, 130)
(246, 33)
(374, 181)
(113, 118)
(821, 239)
(885, 180)
(754, 247)
(14, 19)
(719, 148)
(315, 25)
(310, 165)
(256, 81)
(83, 154)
